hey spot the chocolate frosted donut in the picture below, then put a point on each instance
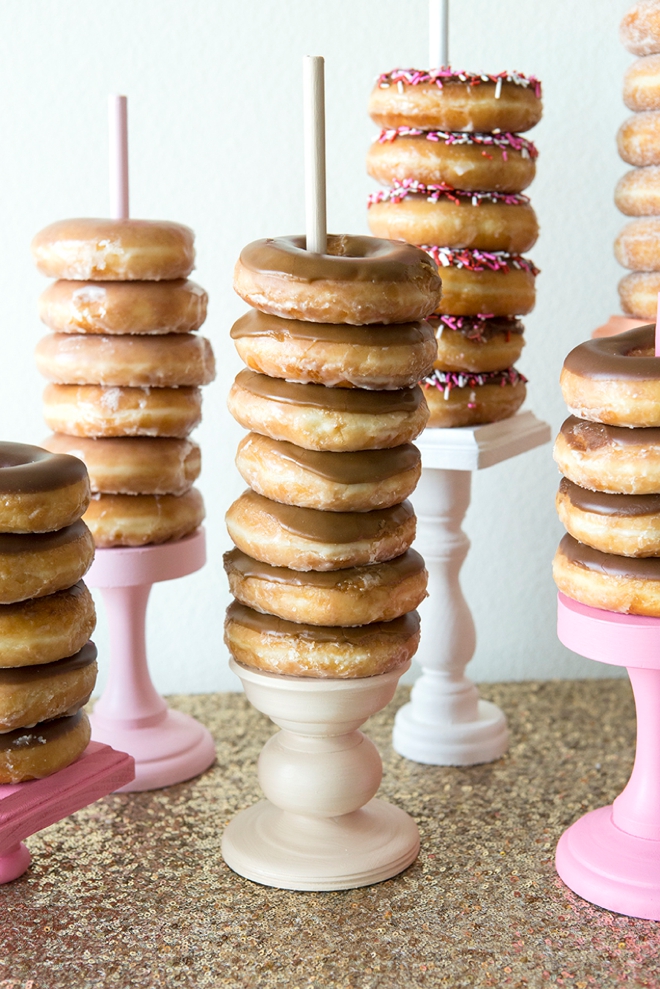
(41, 630)
(40, 491)
(34, 753)
(360, 280)
(477, 344)
(356, 596)
(320, 418)
(37, 564)
(627, 525)
(615, 380)
(277, 646)
(338, 355)
(30, 694)
(603, 580)
(306, 539)
(615, 459)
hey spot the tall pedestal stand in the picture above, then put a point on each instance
(446, 723)
(168, 746)
(611, 856)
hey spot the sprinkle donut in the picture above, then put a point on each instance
(40, 491)
(457, 399)
(477, 344)
(476, 282)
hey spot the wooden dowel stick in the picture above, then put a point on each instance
(118, 157)
(314, 132)
(657, 329)
(438, 34)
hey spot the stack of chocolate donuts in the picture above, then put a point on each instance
(638, 193)
(451, 152)
(47, 663)
(323, 575)
(609, 453)
(125, 368)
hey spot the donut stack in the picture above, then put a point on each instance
(638, 193)
(451, 153)
(125, 368)
(609, 454)
(47, 663)
(324, 579)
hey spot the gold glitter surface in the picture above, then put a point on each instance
(133, 892)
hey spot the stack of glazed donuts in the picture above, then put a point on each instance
(125, 368)
(323, 575)
(47, 663)
(451, 152)
(609, 453)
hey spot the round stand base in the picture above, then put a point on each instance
(458, 744)
(276, 848)
(174, 750)
(609, 867)
(14, 863)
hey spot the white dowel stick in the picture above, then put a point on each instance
(118, 160)
(314, 129)
(438, 34)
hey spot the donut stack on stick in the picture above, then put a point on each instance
(451, 152)
(47, 663)
(638, 193)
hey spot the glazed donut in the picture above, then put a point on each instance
(39, 563)
(319, 418)
(43, 630)
(638, 293)
(609, 458)
(638, 245)
(91, 410)
(614, 380)
(473, 162)
(30, 694)
(603, 580)
(491, 282)
(638, 139)
(638, 192)
(338, 355)
(114, 250)
(177, 306)
(640, 28)
(360, 280)
(306, 539)
(138, 520)
(330, 482)
(126, 361)
(456, 101)
(627, 525)
(438, 214)
(477, 344)
(357, 596)
(34, 753)
(133, 464)
(641, 84)
(292, 649)
(472, 399)
(40, 491)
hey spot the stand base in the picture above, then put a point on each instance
(174, 750)
(276, 848)
(465, 743)
(14, 863)
(609, 867)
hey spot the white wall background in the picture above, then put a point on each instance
(215, 142)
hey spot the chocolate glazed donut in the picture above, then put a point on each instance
(40, 491)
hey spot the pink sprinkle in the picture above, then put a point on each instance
(502, 140)
(475, 260)
(416, 77)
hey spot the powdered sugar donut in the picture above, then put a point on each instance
(638, 192)
(492, 282)
(640, 28)
(638, 293)
(641, 84)
(638, 245)
(638, 139)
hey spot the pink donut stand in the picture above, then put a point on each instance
(168, 746)
(611, 856)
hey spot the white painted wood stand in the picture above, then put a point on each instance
(446, 723)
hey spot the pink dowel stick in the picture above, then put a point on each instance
(657, 328)
(118, 134)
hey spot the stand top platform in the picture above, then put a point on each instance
(476, 447)
(130, 566)
(620, 640)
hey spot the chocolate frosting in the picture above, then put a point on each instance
(259, 324)
(389, 573)
(357, 259)
(354, 400)
(25, 469)
(355, 635)
(637, 568)
(40, 542)
(628, 356)
(583, 435)
(45, 731)
(600, 503)
(363, 467)
(11, 675)
(329, 527)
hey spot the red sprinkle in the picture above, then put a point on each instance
(498, 139)
(475, 260)
(417, 77)
(411, 187)
(446, 381)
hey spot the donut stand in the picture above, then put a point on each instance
(320, 827)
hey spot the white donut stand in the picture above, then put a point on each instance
(446, 723)
(168, 746)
